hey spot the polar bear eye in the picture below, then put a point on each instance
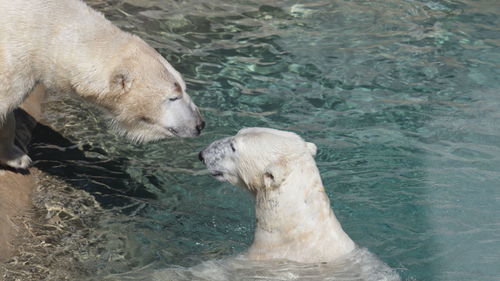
(174, 98)
(232, 147)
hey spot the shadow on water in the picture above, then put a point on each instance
(105, 179)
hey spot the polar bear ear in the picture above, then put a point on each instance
(312, 148)
(274, 175)
(121, 80)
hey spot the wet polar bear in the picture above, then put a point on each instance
(66, 46)
(294, 219)
(297, 236)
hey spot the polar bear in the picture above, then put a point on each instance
(66, 46)
(294, 218)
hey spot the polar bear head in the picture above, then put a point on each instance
(256, 158)
(294, 220)
(145, 96)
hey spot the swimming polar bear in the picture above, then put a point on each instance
(297, 236)
(294, 219)
(66, 46)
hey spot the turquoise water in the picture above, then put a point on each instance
(402, 98)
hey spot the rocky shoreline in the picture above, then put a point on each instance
(33, 219)
(16, 187)
(40, 215)
(49, 229)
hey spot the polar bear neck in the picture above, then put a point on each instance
(295, 221)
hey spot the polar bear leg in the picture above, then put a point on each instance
(10, 154)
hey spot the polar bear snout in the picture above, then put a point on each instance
(219, 157)
(181, 117)
(200, 126)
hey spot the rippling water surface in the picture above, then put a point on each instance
(401, 96)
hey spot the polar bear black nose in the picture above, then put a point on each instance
(200, 156)
(200, 126)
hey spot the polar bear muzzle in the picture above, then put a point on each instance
(218, 157)
(255, 157)
(147, 99)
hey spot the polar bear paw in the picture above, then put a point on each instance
(15, 158)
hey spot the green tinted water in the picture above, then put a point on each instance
(401, 97)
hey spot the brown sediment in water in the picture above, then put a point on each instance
(16, 187)
(61, 237)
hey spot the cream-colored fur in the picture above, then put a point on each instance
(294, 217)
(67, 46)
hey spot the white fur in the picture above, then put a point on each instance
(67, 46)
(294, 217)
